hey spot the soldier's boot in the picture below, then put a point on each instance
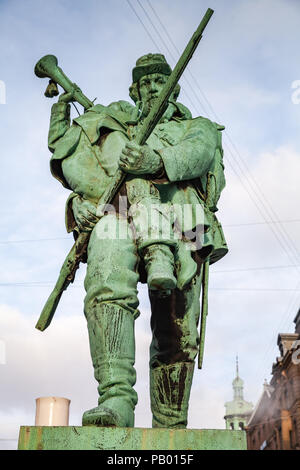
(170, 387)
(159, 264)
(186, 267)
(111, 334)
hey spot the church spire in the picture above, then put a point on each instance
(238, 410)
(238, 383)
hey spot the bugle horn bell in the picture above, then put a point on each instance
(47, 66)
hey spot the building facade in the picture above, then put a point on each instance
(275, 421)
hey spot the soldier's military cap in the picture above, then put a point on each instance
(150, 63)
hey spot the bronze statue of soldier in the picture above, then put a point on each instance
(170, 170)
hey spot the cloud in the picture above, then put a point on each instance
(54, 363)
(245, 64)
(248, 322)
(267, 190)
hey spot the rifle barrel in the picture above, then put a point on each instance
(159, 107)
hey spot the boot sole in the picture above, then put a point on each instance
(101, 417)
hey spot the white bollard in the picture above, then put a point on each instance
(52, 411)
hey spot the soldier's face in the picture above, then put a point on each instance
(150, 87)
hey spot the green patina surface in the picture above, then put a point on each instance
(112, 438)
(169, 168)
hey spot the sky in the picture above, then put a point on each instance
(241, 76)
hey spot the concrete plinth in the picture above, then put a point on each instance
(112, 438)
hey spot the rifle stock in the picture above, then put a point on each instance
(66, 276)
(205, 275)
(204, 312)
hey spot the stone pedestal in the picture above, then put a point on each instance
(112, 438)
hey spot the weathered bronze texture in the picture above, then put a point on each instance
(116, 439)
(155, 159)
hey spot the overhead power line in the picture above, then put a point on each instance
(253, 190)
(79, 283)
(256, 289)
(281, 237)
(241, 169)
(241, 224)
(4, 242)
(254, 268)
(245, 224)
(151, 38)
(262, 223)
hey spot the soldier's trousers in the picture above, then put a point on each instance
(111, 288)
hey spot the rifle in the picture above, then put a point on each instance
(72, 261)
(204, 284)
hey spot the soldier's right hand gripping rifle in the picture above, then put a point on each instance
(48, 67)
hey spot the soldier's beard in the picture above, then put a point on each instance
(146, 107)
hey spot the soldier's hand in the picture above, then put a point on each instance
(67, 97)
(140, 160)
(84, 214)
